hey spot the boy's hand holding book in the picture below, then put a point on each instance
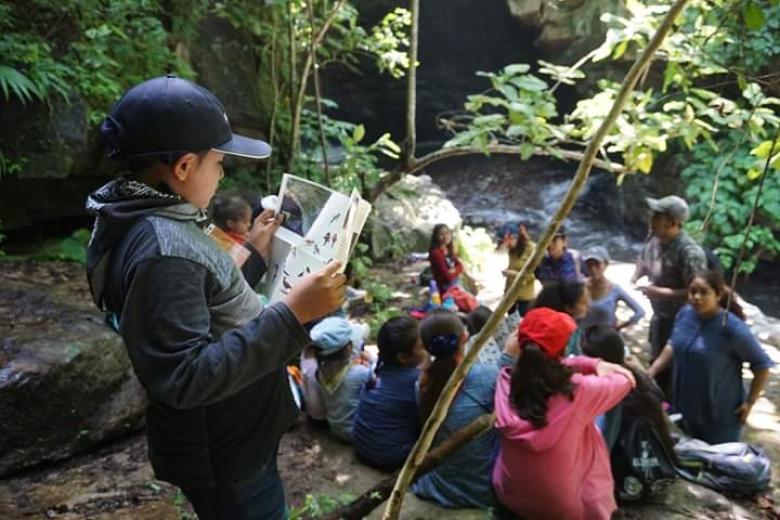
(317, 294)
(262, 232)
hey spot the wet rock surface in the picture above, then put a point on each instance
(66, 383)
(403, 217)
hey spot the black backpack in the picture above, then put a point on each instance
(641, 463)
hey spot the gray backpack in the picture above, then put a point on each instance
(732, 467)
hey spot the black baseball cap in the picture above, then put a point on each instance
(169, 115)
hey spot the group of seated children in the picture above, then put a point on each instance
(560, 420)
(545, 458)
(381, 413)
(554, 372)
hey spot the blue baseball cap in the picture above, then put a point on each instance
(508, 228)
(332, 334)
(170, 115)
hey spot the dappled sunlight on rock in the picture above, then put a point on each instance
(764, 416)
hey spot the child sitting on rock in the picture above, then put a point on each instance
(475, 321)
(462, 480)
(342, 372)
(386, 424)
(641, 460)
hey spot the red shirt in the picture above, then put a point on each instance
(445, 268)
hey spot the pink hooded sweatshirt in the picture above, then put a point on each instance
(561, 471)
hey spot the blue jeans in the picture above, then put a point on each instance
(257, 497)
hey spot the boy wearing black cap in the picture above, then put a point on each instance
(209, 357)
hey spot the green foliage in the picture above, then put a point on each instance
(389, 42)
(318, 505)
(10, 165)
(711, 89)
(379, 297)
(91, 50)
(280, 34)
(474, 245)
(360, 260)
(105, 61)
(242, 179)
(70, 249)
(354, 163)
(736, 192)
(28, 68)
(518, 110)
(180, 503)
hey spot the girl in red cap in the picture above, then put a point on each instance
(553, 462)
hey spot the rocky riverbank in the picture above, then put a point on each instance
(112, 479)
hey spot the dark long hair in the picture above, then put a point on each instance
(645, 400)
(521, 244)
(560, 296)
(535, 379)
(715, 280)
(603, 341)
(439, 323)
(477, 319)
(435, 241)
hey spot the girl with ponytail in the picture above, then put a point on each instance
(553, 462)
(463, 480)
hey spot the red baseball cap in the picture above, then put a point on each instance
(548, 329)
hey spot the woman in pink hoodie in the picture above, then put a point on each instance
(553, 462)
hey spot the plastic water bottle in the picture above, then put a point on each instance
(434, 293)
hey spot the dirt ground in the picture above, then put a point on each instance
(116, 482)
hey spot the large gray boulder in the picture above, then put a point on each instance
(403, 217)
(572, 27)
(66, 383)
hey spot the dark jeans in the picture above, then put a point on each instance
(660, 331)
(257, 497)
(713, 433)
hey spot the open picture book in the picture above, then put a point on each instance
(320, 225)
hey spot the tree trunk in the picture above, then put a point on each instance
(293, 73)
(300, 97)
(439, 412)
(275, 104)
(410, 142)
(318, 99)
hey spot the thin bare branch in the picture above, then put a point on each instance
(447, 153)
(742, 247)
(304, 80)
(318, 98)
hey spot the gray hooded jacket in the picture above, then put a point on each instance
(211, 360)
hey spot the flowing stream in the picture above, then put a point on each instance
(491, 191)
